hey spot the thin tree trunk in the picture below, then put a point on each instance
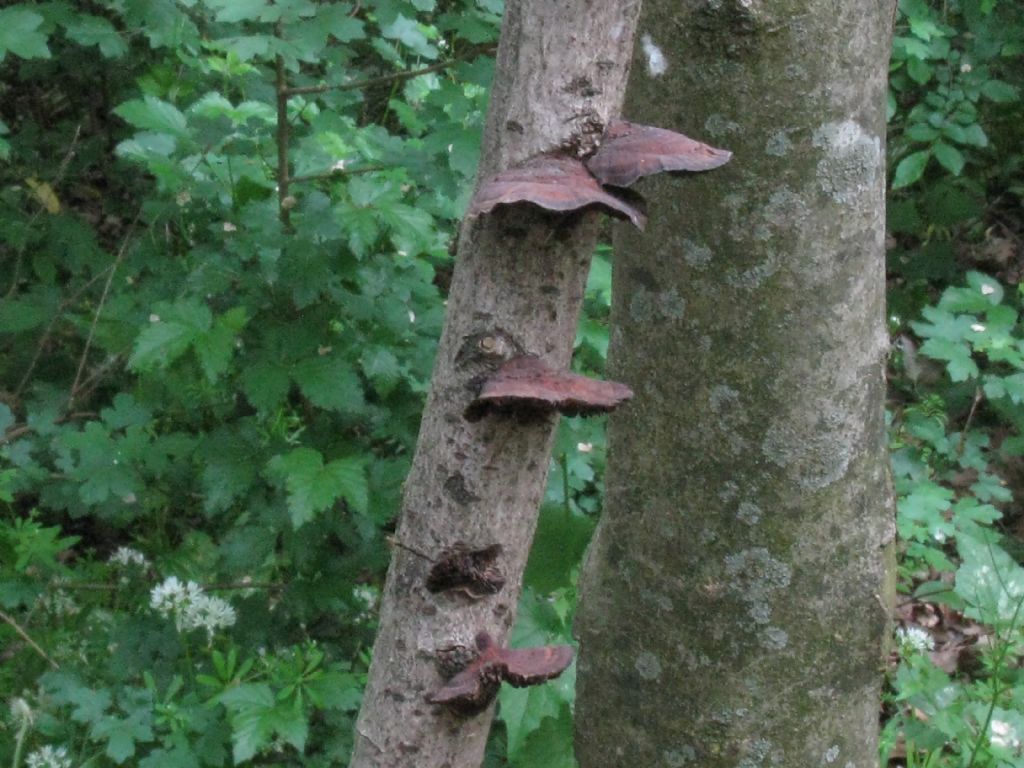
(517, 288)
(735, 599)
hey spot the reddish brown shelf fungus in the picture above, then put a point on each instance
(474, 688)
(525, 386)
(630, 151)
(555, 183)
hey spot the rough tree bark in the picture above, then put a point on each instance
(734, 601)
(518, 284)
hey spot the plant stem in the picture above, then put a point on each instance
(283, 198)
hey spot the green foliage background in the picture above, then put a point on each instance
(227, 379)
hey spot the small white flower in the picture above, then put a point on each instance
(338, 166)
(1003, 735)
(977, 327)
(48, 757)
(987, 290)
(965, 67)
(127, 556)
(192, 608)
(584, 447)
(229, 227)
(412, 316)
(914, 639)
(154, 318)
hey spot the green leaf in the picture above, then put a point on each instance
(337, 20)
(999, 91)
(95, 30)
(910, 169)
(313, 487)
(153, 114)
(265, 384)
(991, 583)
(949, 157)
(172, 330)
(550, 745)
(349, 477)
(238, 10)
(408, 32)
(19, 35)
(122, 734)
(216, 347)
(329, 382)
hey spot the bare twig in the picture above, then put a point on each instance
(284, 202)
(356, 85)
(25, 636)
(41, 344)
(99, 309)
(979, 394)
(393, 541)
(87, 586)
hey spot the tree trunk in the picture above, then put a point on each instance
(735, 599)
(517, 288)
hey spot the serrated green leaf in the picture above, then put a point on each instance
(408, 32)
(329, 382)
(153, 114)
(172, 331)
(238, 10)
(265, 384)
(990, 582)
(338, 21)
(349, 478)
(95, 30)
(19, 34)
(910, 169)
(313, 487)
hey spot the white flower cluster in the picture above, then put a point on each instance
(58, 603)
(192, 608)
(365, 597)
(48, 757)
(914, 639)
(127, 556)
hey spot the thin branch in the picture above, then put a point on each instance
(86, 586)
(357, 85)
(393, 541)
(338, 173)
(41, 344)
(99, 308)
(284, 202)
(979, 393)
(25, 636)
(14, 433)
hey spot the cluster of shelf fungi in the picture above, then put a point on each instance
(524, 387)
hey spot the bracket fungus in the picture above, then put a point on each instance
(474, 688)
(555, 183)
(630, 151)
(474, 572)
(526, 386)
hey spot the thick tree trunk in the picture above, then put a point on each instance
(734, 602)
(517, 288)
